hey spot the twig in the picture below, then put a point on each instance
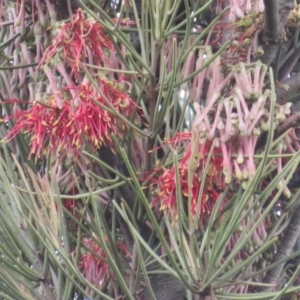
(289, 65)
(291, 122)
(287, 89)
(275, 17)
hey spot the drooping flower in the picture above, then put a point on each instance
(91, 121)
(232, 122)
(80, 40)
(191, 174)
(237, 119)
(238, 8)
(95, 267)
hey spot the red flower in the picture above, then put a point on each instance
(80, 40)
(95, 268)
(59, 130)
(69, 204)
(166, 183)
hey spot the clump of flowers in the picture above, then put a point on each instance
(91, 120)
(75, 113)
(236, 120)
(235, 113)
(80, 40)
(95, 267)
(239, 8)
(191, 173)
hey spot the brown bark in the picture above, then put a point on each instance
(275, 17)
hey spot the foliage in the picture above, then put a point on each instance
(149, 151)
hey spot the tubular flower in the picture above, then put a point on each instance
(229, 126)
(236, 120)
(92, 121)
(191, 173)
(238, 8)
(94, 267)
(80, 40)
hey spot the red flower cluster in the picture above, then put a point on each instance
(95, 269)
(56, 130)
(194, 166)
(80, 40)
